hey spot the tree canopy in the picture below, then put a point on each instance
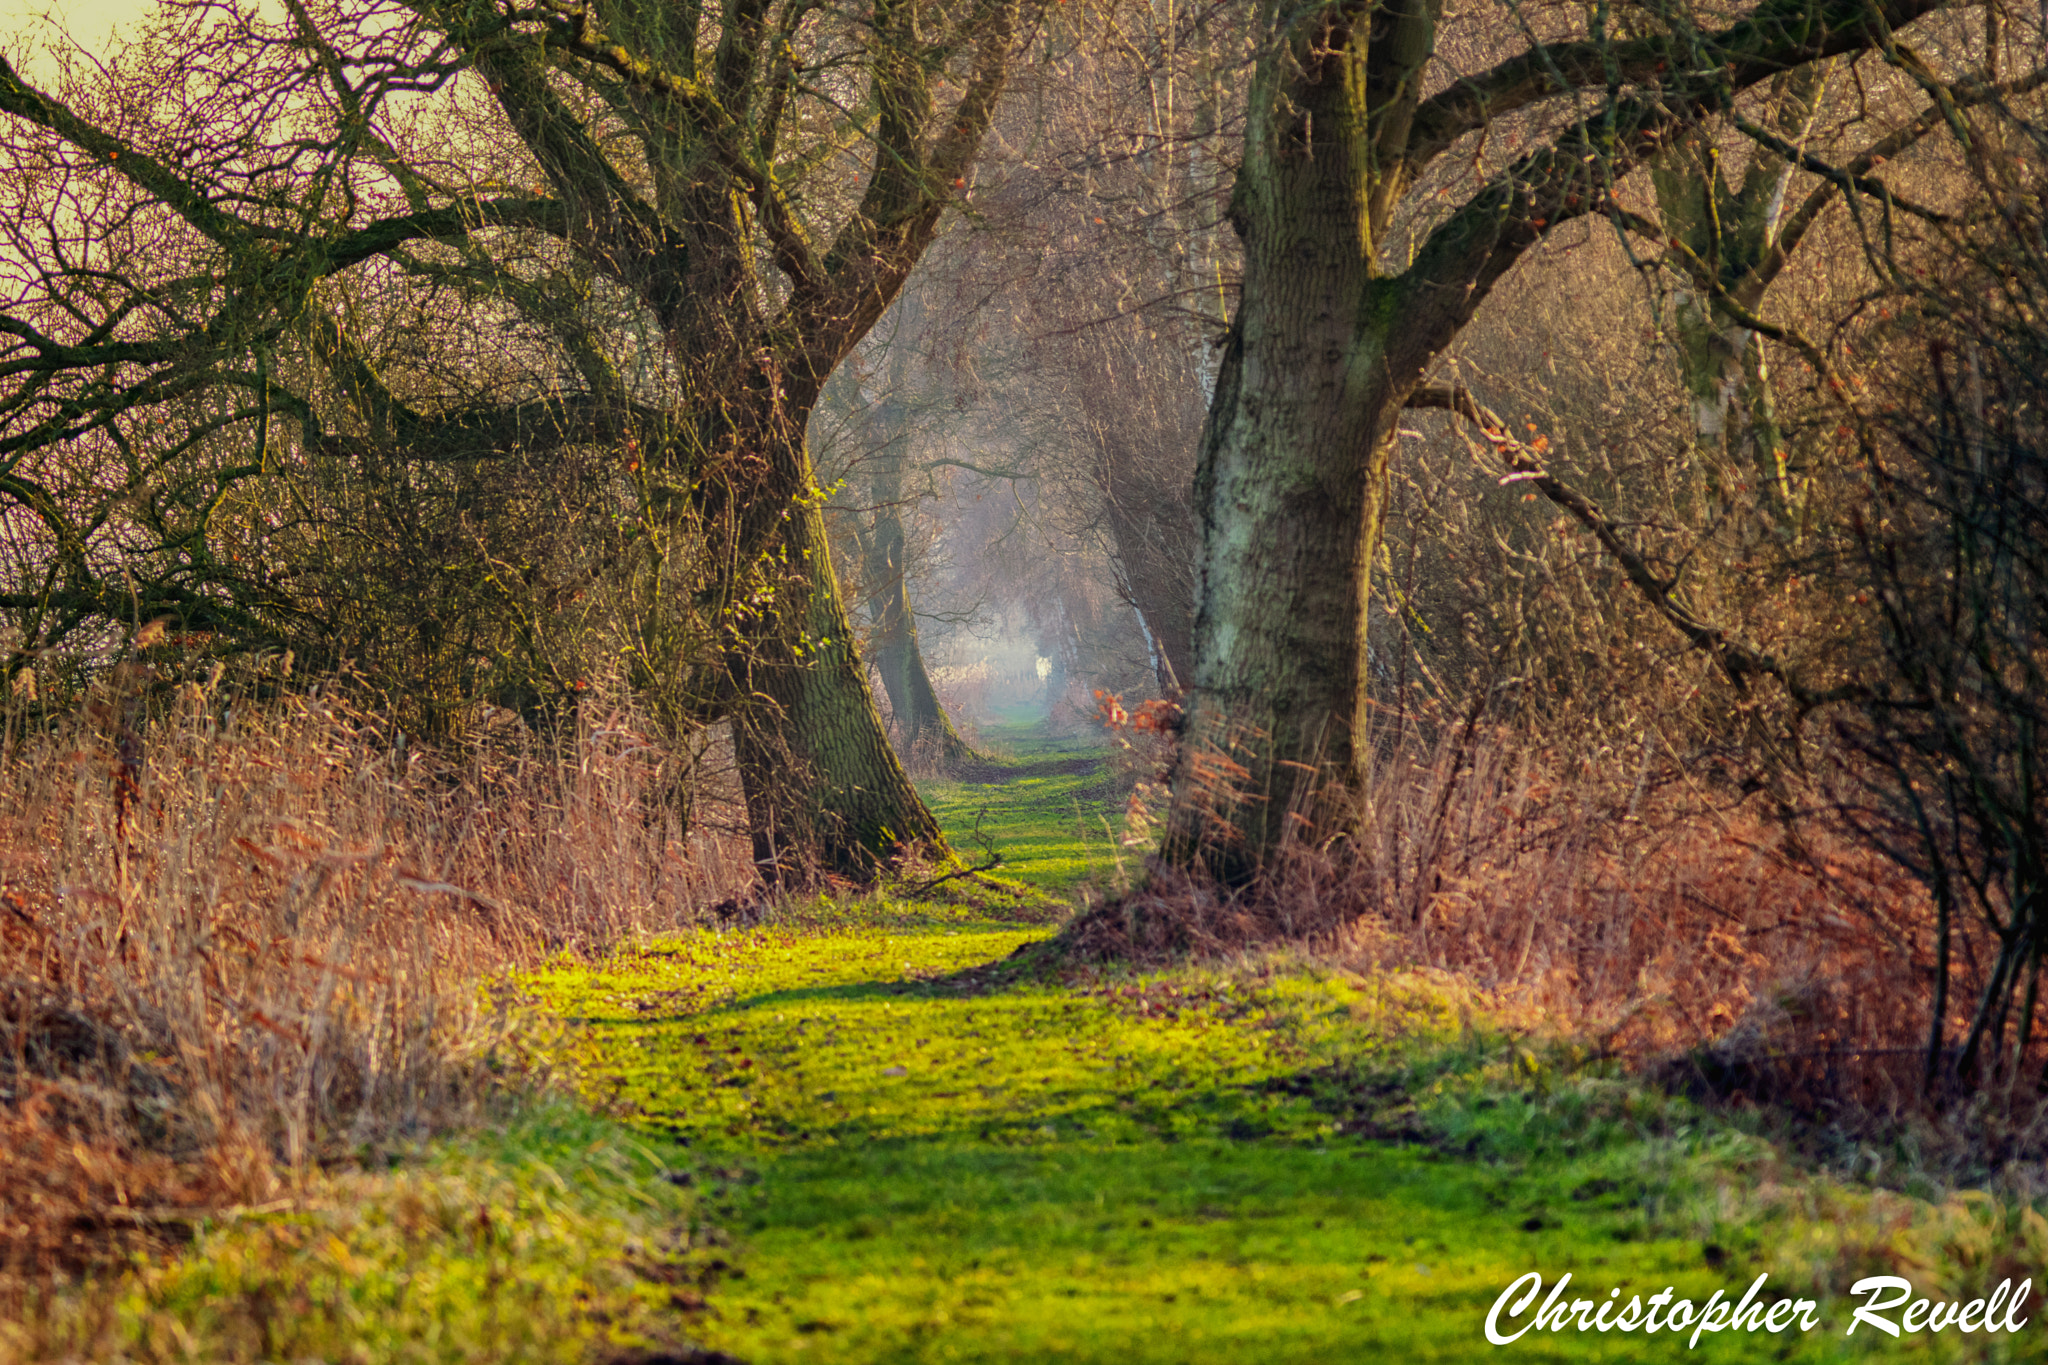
(372, 242)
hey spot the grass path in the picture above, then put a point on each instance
(926, 1153)
(1049, 808)
(870, 1132)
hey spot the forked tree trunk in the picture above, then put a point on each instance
(1326, 348)
(1292, 479)
(1290, 484)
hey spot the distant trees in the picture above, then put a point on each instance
(1096, 286)
(1734, 237)
(457, 338)
(1131, 385)
(1398, 161)
(668, 223)
(881, 459)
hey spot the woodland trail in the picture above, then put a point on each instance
(915, 1146)
(871, 1131)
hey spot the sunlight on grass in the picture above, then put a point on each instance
(867, 1130)
(930, 1159)
(1048, 804)
(555, 1238)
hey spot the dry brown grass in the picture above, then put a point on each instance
(1616, 896)
(275, 949)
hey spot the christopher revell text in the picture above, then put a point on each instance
(1889, 1305)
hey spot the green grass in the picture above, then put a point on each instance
(870, 1131)
(1048, 806)
(552, 1237)
(939, 1163)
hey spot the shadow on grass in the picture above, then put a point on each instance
(1209, 1249)
(1035, 964)
(995, 771)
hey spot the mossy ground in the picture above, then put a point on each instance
(1044, 802)
(944, 1153)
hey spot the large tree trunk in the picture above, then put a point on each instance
(1735, 423)
(1291, 482)
(1291, 485)
(1325, 350)
(825, 792)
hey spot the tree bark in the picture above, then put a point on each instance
(825, 792)
(1292, 475)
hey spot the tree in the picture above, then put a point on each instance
(1935, 752)
(1134, 390)
(1113, 220)
(890, 405)
(1347, 153)
(743, 192)
(913, 701)
(1733, 232)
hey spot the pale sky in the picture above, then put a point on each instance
(26, 26)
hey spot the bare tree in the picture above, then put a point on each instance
(1099, 283)
(1938, 757)
(1368, 247)
(746, 189)
(897, 406)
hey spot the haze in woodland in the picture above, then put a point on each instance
(763, 679)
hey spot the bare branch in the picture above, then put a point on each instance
(1738, 661)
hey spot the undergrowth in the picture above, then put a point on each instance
(249, 941)
(1666, 916)
(559, 1238)
(245, 1003)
